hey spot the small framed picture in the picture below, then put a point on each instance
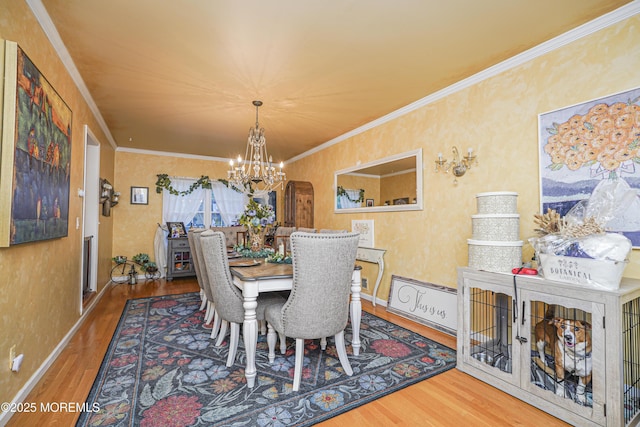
(139, 195)
(369, 203)
(176, 230)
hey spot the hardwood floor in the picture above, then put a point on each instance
(449, 399)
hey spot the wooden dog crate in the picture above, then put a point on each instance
(497, 316)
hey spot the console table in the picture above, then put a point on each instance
(375, 256)
(179, 262)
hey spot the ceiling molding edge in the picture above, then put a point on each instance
(577, 33)
(171, 154)
(604, 21)
(43, 18)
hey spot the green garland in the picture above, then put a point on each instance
(164, 183)
(246, 252)
(343, 192)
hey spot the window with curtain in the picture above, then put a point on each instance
(220, 206)
(344, 201)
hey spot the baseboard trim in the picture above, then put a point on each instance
(44, 367)
(369, 298)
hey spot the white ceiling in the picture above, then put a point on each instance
(180, 76)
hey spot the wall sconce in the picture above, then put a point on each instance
(457, 165)
(108, 197)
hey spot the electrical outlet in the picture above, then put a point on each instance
(365, 283)
(12, 355)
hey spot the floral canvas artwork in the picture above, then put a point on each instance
(588, 146)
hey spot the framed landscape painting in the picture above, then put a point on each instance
(36, 154)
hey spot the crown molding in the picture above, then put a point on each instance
(51, 32)
(171, 154)
(577, 33)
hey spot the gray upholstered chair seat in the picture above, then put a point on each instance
(306, 230)
(228, 298)
(318, 305)
(281, 236)
(193, 237)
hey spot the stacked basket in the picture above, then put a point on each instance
(494, 245)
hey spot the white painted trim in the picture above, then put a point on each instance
(368, 297)
(44, 367)
(40, 12)
(577, 33)
(418, 206)
(91, 198)
(170, 154)
(367, 175)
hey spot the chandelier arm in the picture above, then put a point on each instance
(257, 173)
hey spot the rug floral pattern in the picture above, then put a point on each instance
(162, 369)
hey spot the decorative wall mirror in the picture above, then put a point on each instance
(390, 184)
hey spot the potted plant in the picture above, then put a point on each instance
(145, 263)
(141, 259)
(150, 267)
(119, 259)
(258, 219)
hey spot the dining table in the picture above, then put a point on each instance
(255, 276)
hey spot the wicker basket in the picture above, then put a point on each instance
(496, 256)
(497, 202)
(500, 227)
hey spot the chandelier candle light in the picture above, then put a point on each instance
(256, 173)
(457, 165)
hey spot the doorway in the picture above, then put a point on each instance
(90, 214)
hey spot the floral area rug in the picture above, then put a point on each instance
(162, 369)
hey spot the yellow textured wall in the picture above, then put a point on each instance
(397, 187)
(498, 119)
(40, 288)
(135, 225)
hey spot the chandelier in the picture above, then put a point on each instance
(256, 173)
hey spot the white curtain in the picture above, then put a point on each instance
(345, 203)
(160, 249)
(175, 209)
(181, 208)
(230, 202)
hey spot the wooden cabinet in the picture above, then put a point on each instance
(497, 317)
(179, 262)
(298, 204)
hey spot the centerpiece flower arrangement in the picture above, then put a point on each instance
(258, 219)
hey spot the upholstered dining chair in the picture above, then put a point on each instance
(227, 296)
(282, 236)
(203, 294)
(306, 230)
(318, 305)
(211, 316)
